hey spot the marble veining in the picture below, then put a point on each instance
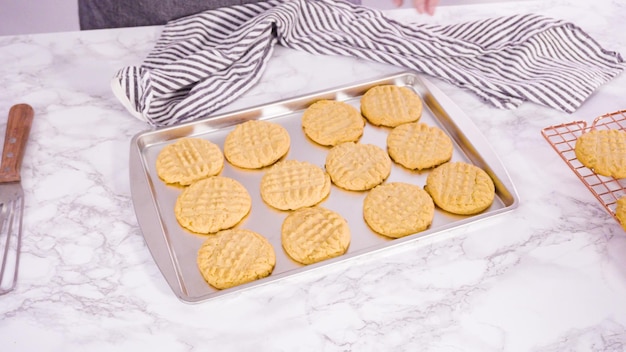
(549, 276)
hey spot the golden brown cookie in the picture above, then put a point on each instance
(234, 257)
(418, 146)
(255, 144)
(188, 160)
(330, 122)
(212, 204)
(460, 188)
(603, 151)
(293, 184)
(356, 166)
(620, 211)
(398, 209)
(390, 105)
(310, 235)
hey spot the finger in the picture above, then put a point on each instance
(398, 3)
(420, 5)
(431, 6)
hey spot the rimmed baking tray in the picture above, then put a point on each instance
(174, 249)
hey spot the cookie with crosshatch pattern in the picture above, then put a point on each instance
(310, 235)
(330, 122)
(188, 160)
(620, 211)
(603, 151)
(255, 144)
(356, 166)
(418, 146)
(398, 209)
(390, 105)
(293, 184)
(460, 188)
(212, 204)
(234, 257)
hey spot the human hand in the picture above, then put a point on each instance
(422, 6)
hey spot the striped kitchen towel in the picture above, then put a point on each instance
(203, 62)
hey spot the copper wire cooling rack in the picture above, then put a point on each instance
(563, 139)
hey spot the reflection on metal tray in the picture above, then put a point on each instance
(563, 138)
(174, 249)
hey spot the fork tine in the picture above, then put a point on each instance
(10, 214)
(3, 216)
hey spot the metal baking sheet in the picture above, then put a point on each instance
(174, 249)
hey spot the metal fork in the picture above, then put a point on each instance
(11, 226)
(11, 193)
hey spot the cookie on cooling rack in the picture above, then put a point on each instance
(603, 151)
(390, 105)
(356, 166)
(311, 235)
(188, 160)
(234, 257)
(330, 122)
(293, 184)
(418, 146)
(212, 204)
(398, 209)
(255, 144)
(620, 211)
(460, 188)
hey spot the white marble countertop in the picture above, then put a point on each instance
(549, 276)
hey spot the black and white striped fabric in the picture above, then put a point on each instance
(203, 62)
